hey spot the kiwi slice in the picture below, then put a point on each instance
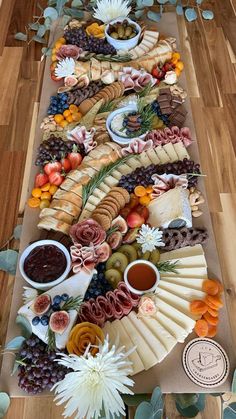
(113, 276)
(128, 251)
(140, 254)
(117, 261)
(154, 256)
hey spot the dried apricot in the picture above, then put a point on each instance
(53, 189)
(45, 187)
(140, 191)
(175, 56)
(66, 113)
(58, 118)
(62, 40)
(45, 203)
(36, 192)
(69, 118)
(210, 319)
(214, 301)
(212, 312)
(76, 116)
(144, 200)
(134, 201)
(198, 307)
(73, 108)
(63, 123)
(149, 189)
(220, 286)
(201, 328)
(46, 195)
(180, 65)
(210, 287)
(54, 58)
(33, 202)
(177, 71)
(212, 330)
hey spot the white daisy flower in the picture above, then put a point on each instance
(108, 10)
(65, 67)
(95, 383)
(29, 294)
(150, 238)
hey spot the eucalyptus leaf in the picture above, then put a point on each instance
(33, 26)
(156, 399)
(186, 399)
(199, 1)
(172, 1)
(48, 23)
(207, 14)
(154, 16)
(190, 14)
(17, 231)
(162, 1)
(60, 5)
(144, 411)
(14, 368)
(230, 411)
(25, 326)
(4, 404)
(8, 261)
(41, 30)
(73, 12)
(15, 343)
(39, 39)
(201, 402)
(76, 3)
(65, 19)
(46, 51)
(139, 13)
(188, 412)
(135, 399)
(50, 12)
(20, 36)
(233, 385)
(147, 3)
(179, 9)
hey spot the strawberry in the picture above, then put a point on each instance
(40, 180)
(54, 166)
(157, 73)
(167, 67)
(75, 158)
(56, 178)
(55, 78)
(66, 164)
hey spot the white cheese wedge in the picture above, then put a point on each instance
(90, 207)
(133, 162)
(160, 332)
(182, 252)
(124, 169)
(94, 200)
(110, 181)
(197, 261)
(170, 209)
(152, 341)
(184, 321)
(100, 194)
(195, 283)
(188, 294)
(175, 329)
(162, 155)
(144, 160)
(177, 302)
(85, 214)
(75, 286)
(169, 149)
(116, 174)
(146, 354)
(153, 156)
(191, 272)
(181, 151)
(104, 188)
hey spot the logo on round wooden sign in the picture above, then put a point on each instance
(205, 362)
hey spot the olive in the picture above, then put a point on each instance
(128, 31)
(132, 35)
(114, 35)
(121, 31)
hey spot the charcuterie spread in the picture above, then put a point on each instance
(117, 181)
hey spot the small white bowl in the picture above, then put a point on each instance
(124, 44)
(46, 285)
(145, 262)
(115, 137)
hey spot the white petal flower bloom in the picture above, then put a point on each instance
(29, 294)
(95, 383)
(108, 10)
(65, 67)
(150, 238)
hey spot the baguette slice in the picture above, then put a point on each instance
(59, 215)
(68, 196)
(66, 206)
(51, 223)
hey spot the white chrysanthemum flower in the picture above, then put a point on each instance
(29, 294)
(95, 383)
(150, 238)
(65, 67)
(108, 10)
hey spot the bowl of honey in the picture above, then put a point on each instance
(141, 276)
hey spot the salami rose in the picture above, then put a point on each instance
(70, 51)
(87, 232)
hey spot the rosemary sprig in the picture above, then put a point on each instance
(51, 340)
(145, 91)
(112, 230)
(107, 107)
(101, 57)
(147, 115)
(97, 179)
(72, 304)
(167, 266)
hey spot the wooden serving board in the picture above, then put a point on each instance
(169, 375)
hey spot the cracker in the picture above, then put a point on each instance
(123, 191)
(103, 220)
(119, 197)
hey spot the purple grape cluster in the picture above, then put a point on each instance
(142, 175)
(38, 370)
(98, 285)
(55, 148)
(79, 37)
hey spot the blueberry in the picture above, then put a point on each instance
(36, 320)
(65, 106)
(44, 320)
(64, 297)
(54, 108)
(57, 300)
(55, 307)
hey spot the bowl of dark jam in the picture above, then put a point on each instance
(45, 263)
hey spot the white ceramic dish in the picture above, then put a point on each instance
(144, 262)
(125, 44)
(39, 285)
(115, 137)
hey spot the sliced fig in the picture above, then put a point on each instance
(115, 239)
(103, 251)
(41, 304)
(131, 236)
(59, 321)
(121, 224)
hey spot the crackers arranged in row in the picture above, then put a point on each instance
(110, 206)
(108, 93)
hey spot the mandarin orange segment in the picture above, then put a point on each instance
(201, 328)
(210, 319)
(212, 330)
(33, 202)
(198, 307)
(140, 191)
(210, 287)
(214, 300)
